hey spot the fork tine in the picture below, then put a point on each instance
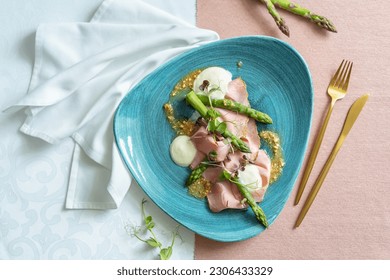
(344, 74)
(341, 76)
(345, 86)
(335, 76)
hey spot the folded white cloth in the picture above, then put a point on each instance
(81, 73)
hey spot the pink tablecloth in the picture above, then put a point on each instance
(350, 218)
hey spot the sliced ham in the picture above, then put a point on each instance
(237, 91)
(252, 138)
(203, 141)
(225, 194)
(234, 160)
(206, 143)
(264, 163)
(212, 173)
(236, 123)
(199, 157)
(258, 194)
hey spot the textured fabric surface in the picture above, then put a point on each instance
(81, 73)
(34, 174)
(350, 218)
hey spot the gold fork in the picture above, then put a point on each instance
(337, 89)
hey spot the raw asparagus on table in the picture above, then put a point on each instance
(294, 8)
(236, 107)
(215, 125)
(259, 213)
(321, 21)
(277, 18)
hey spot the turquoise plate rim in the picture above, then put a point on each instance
(122, 116)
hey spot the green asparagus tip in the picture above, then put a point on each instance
(283, 27)
(267, 119)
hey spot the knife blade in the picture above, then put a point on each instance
(352, 116)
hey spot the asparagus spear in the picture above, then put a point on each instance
(236, 107)
(298, 10)
(278, 19)
(301, 11)
(259, 213)
(211, 116)
(196, 173)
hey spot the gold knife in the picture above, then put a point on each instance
(352, 115)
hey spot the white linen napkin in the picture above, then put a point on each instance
(81, 73)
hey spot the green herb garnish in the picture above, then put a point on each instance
(164, 252)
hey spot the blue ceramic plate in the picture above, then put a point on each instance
(278, 82)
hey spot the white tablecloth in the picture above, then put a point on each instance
(34, 223)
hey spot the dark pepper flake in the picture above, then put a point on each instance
(201, 122)
(204, 85)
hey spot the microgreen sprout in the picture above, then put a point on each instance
(164, 252)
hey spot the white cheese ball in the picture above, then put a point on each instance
(182, 150)
(218, 79)
(250, 177)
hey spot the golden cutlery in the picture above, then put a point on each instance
(353, 113)
(337, 89)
